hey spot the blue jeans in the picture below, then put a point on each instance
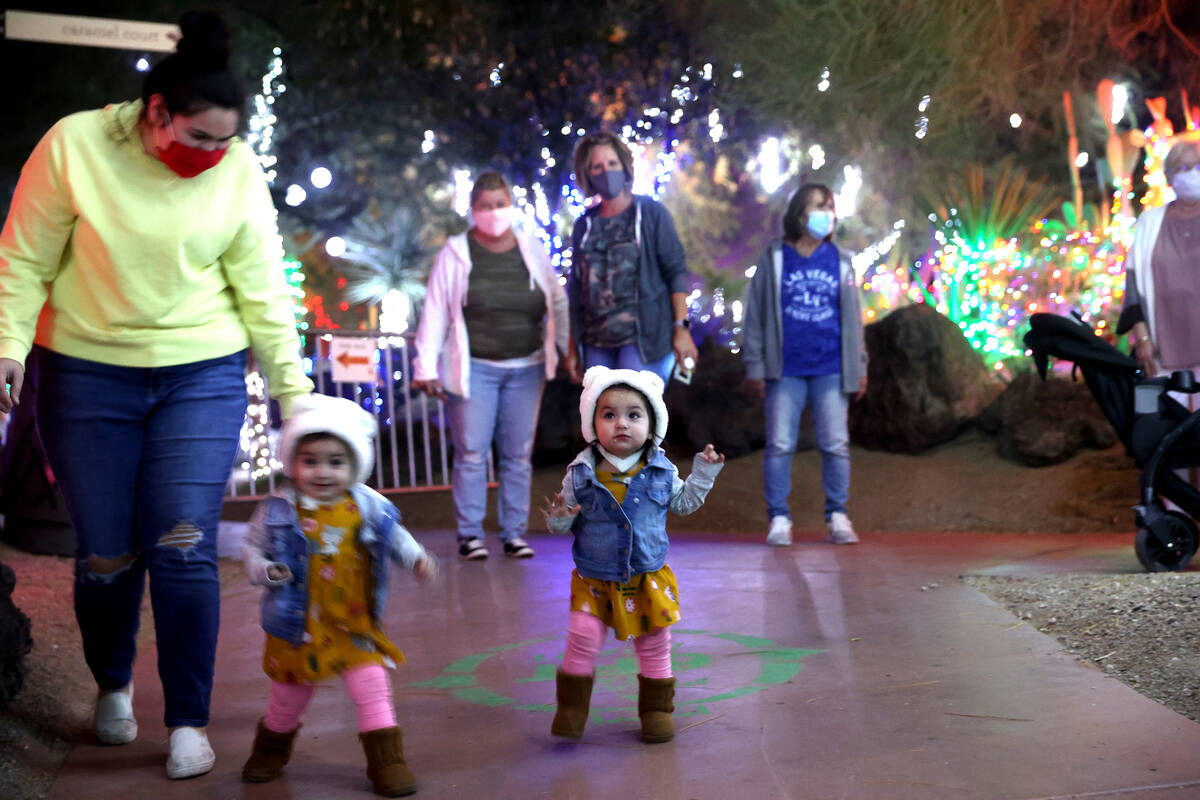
(503, 408)
(627, 357)
(785, 403)
(142, 456)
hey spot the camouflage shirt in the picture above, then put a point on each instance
(609, 264)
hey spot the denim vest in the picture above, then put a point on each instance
(615, 541)
(285, 608)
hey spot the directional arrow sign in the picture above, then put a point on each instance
(353, 359)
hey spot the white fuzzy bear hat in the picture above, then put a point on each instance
(597, 379)
(337, 417)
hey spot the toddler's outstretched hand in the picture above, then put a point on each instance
(711, 455)
(557, 507)
(426, 570)
(278, 573)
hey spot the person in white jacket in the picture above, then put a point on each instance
(493, 325)
(1159, 310)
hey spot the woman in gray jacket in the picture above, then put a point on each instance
(628, 288)
(802, 342)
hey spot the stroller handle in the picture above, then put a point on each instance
(1181, 380)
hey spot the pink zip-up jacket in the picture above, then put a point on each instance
(442, 348)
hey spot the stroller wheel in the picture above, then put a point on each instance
(1180, 533)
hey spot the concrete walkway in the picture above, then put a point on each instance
(808, 672)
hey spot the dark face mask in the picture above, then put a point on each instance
(610, 183)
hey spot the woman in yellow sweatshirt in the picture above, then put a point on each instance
(139, 261)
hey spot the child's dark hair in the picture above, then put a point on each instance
(649, 448)
(196, 77)
(320, 436)
(317, 436)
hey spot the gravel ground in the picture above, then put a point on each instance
(1143, 630)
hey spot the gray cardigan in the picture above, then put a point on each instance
(662, 270)
(762, 328)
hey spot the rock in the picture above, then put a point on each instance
(558, 439)
(717, 407)
(926, 383)
(15, 639)
(1040, 422)
(35, 513)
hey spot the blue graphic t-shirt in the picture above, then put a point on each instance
(812, 323)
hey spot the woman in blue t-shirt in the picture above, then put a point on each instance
(802, 343)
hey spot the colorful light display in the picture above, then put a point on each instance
(991, 287)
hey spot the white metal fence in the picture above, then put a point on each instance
(411, 450)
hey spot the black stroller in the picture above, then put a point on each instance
(1158, 432)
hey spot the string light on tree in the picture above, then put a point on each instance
(256, 437)
(261, 125)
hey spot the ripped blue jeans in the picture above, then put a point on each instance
(142, 456)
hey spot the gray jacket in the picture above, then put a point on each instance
(762, 328)
(662, 270)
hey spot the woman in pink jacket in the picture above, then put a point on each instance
(494, 322)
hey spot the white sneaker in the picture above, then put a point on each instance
(472, 550)
(517, 548)
(114, 722)
(780, 534)
(840, 530)
(190, 754)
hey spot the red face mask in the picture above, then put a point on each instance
(187, 161)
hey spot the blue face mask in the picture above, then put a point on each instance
(820, 223)
(1187, 185)
(610, 183)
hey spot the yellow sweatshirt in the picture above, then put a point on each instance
(108, 255)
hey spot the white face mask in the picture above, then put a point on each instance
(1187, 185)
(494, 222)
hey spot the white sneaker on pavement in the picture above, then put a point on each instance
(190, 753)
(780, 533)
(114, 722)
(840, 530)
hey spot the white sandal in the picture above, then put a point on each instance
(190, 753)
(113, 721)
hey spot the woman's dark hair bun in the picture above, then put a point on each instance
(205, 40)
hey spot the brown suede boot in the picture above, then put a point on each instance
(574, 697)
(656, 701)
(389, 775)
(271, 753)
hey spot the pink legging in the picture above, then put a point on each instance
(585, 634)
(367, 685)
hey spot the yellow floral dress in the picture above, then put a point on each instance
(645, 603)
(340, 633)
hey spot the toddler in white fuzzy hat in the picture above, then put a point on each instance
(615, 498)
(322, 547)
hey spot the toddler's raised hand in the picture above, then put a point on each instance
(711, 455)
(557, 507)
(426, 570)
